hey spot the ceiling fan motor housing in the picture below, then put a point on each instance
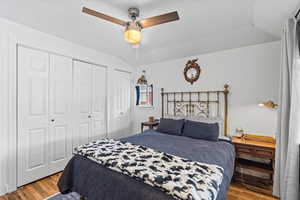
(133, 13)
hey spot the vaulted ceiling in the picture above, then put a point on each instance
(204, 26)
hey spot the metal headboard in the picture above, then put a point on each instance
(199, 103)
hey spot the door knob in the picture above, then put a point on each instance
(89, 116)
(52, 120)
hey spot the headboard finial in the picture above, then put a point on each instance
(226, 92)
(226, 86)
(162, 90)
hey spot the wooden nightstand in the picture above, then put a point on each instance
(151, 125)
(254, 163)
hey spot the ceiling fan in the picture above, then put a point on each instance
(133, 28)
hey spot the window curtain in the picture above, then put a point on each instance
(286, 178)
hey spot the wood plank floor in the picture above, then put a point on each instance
(47, 187)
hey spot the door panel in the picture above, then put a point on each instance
(60, 146)
(90, 95)
(84, 129)
(33, 131)
(85, 78)
(82, 104)
(98, 103)
(60, 138)
(37, 101)
(122, 102)
(37, 152)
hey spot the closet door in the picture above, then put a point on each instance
(83, 99)
(90, 105)
(122, 95)
(33, 120)
(60, 105)
(44, 114)
(98, 114)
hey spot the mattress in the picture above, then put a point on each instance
(96, 182)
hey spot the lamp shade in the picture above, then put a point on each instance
(133, 33)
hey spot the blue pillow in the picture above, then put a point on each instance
(170, 126)
(200, 130)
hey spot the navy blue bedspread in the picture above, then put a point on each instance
(96, 182)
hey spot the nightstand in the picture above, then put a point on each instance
(254, 163)
(151, 125)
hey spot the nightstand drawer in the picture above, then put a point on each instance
(254, 151)
(265, 153)
(242, 149)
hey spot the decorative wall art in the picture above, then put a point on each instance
(192, 71)
(144, 92)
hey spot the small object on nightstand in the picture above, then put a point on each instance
(151, 125)
(239, 132)
(151, 119)
(254, 163)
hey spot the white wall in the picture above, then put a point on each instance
(3, 108)
(12, 34)
(252, 73)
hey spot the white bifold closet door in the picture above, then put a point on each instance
(122, 103)
(90, 103)
(44, 114)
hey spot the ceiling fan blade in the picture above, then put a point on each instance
(103, 16)
(161, 19)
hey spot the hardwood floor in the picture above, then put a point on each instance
(47, 187)
(35, 191)
(239, 192)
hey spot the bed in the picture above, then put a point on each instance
(97, 182)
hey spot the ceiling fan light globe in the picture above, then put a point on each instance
(133, 34)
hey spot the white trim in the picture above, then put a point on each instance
(3, 110)
(122, 70)
(2, 128)
(12, 115)
(90, 63)
(58, 54)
